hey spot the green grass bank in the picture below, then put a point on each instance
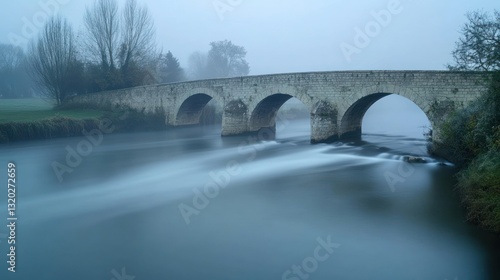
(35, 119)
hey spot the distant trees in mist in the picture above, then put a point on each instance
(223, 60)
(169, 69)
(15, 81)
(116, 48)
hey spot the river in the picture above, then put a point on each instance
(188, 204)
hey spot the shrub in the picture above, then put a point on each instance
(471, 138)
(479, 185)
(44, 129)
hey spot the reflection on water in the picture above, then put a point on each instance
(119, 209)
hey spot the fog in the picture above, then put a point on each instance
(285, 36)
(186, 203)
(290, 36)
(396, 115)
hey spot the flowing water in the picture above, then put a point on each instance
(188, 204)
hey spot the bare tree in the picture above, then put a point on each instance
(102, 25)
(52, 58)
(123, 43)
(138, 34)
(479, 47)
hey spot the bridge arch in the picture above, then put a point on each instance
(190, 106)
(265, 108)
(352, 117)
(336, 100)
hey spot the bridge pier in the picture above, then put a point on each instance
(324, 127)
(337, 100)
(323, 130)
(234, 118)
(232, 125)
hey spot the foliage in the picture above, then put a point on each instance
(479, 185)
(45, 129)
(472, 135)
(117, 50)
(96, 79)
(227, 60)
(136, 121)
(458, 135)
(474, 130)
(41, 121)
(223, 60)
(169, 69)
(133, 75)
(479, 47)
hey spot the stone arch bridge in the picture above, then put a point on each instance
(337, 101)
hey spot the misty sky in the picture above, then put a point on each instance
(289, 35)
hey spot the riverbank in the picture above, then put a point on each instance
(35, 109)
(35, 119)
(471, 139)
(55, 127)
(58, 127)
(478, 185)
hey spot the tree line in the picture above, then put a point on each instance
(15, 82)
(115, 49)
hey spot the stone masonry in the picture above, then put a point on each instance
(337, 101)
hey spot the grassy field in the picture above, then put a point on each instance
(34, 119)
(25, 110)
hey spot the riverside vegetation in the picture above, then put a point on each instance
(471, 139)
(32, 119)
(471, 136)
